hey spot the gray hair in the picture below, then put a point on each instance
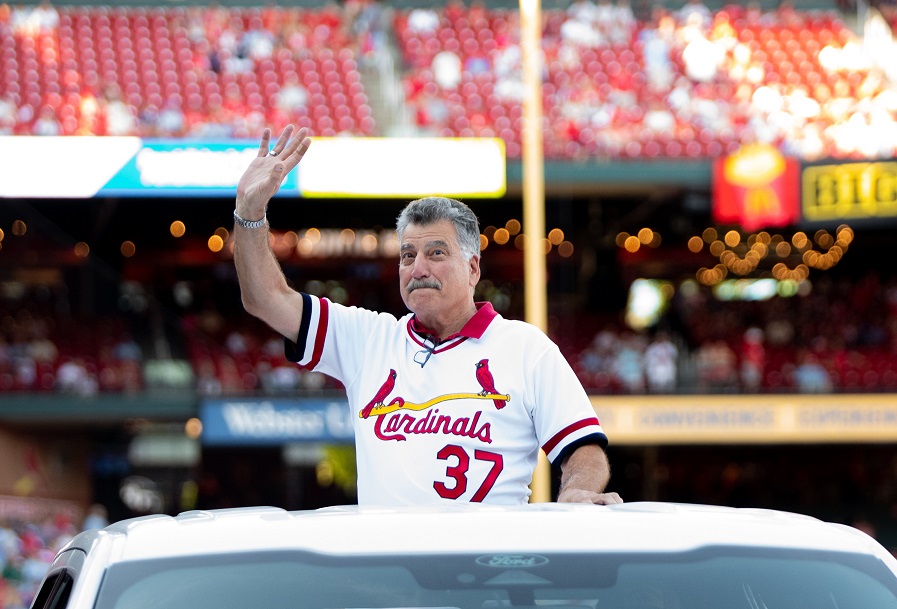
(434, 209)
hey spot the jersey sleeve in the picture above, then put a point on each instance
(563, 413)
(332, 337)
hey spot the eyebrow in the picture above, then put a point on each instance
(428, 244)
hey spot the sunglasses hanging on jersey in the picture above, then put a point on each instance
(423, 356)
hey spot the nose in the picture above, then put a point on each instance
(420, 268)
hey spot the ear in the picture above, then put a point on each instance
(473, 266)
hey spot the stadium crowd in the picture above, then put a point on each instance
(28, 545)
(839, 337)
(679, 83)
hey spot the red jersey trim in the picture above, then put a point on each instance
(445, 345)
(559, 436)
(320, 335)
(474, 327)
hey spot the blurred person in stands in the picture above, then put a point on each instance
(7, 115)
(45, 17)
(73, 377)
(753, 359)
(171, 121)
(810, 376)
(779, 330)
(716, 363)
(446, 68)
(624, 23)
(423, 20)
(450, 402)
(97, 517)
(629, 364)
(120, 117)
(661, 364)
(207, 383)
(657, 42)
(46, 123)
(292, 94)
(695, 12)
(127, 349)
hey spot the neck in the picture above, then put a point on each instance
(449, 326)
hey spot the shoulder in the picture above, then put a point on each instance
(355, 314)
(520, 333)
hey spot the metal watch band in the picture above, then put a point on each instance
(250, 223)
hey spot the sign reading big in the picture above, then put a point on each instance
(756, 188)
(849, 191)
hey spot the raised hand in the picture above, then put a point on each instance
(263, 177)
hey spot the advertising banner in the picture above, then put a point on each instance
(756, 188)
(334, 167)
(263, 422)
(854, 192)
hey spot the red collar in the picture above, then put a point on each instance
(474, 327)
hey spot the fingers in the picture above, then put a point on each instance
(607, 499)
(282, 141)
(263, 146)
(286, 145)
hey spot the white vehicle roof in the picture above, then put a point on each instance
(539, 556)
(629, 527)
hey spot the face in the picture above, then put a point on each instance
(436, 281)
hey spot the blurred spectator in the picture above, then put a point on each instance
(127, 349)
(73, 377)
(702, 59)
(97, 517)
(581, 26)
(236, 342)
(120, 117)
(661, 364)
(207, 383)
(423, 20)
(753, 359)
(599, 355)
(656, 46)
(624, 23)
(171, 122)
(694, 12)
(715, 363)
(292, 94)
(810, 376)
(658, 117)
(46, 123)
(45, 16)
(7, 115)
(446, 69)
(283, 378)
(629, 363)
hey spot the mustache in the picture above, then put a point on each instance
(414, 284)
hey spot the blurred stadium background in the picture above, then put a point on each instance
(719, 206)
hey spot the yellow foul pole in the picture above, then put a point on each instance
(534, 197)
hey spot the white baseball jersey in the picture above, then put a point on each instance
(461, 420)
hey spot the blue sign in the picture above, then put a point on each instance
(266, 422)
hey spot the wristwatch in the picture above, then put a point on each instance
(250, 223)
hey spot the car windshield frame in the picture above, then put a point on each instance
(719, 577)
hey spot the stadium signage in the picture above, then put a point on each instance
(756, 187)
(274, 421)
(335, 167)
(849, 191)
(748, 419)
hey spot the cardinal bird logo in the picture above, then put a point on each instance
(484, 378)
(384, 391)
